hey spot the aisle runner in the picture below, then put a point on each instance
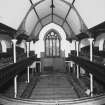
(53, 87)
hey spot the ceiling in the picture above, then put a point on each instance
(30, 16)
(60, 12)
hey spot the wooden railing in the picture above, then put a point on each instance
(8, 72)
(7, 60)
(98, 70)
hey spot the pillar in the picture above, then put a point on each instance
(14, 49)
(28, 69)
(28, 48)
(77, 50)
(73, 63)
(91, 59)
(15, 86)
(91, 48)
(77, 47)
(14, 60)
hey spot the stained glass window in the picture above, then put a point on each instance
(52, 45)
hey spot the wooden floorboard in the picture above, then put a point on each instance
(28, 91)
(53, 87)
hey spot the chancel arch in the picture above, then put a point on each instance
(39, 45)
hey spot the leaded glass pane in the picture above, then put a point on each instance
(57, 47)
(52, 45)
(47, 47)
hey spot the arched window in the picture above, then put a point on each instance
(4, 47)
(52, 44)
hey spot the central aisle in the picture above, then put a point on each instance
(52, 87)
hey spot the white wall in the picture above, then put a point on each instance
(84, 43)
(99, 41)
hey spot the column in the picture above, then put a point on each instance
(14, 49)
(91, 48)
(91, 59)
(77, 50)
(28, 71)
(28, 48)
(14, 60)
(70, 63)
(74, 64)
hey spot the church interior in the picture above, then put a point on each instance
(52, 52)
